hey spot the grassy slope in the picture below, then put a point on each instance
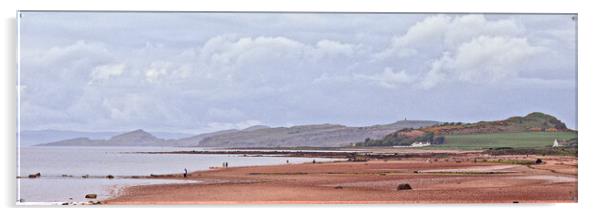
(496, 140)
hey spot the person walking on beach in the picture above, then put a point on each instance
(226, 164)
(185, 172)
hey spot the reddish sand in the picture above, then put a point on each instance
(453, 180)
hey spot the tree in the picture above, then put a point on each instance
(439, 140)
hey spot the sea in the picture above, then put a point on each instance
(62, 170)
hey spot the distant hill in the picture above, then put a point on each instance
(134, 138)
(170, 135)
(33, 137)
(329, 135)
(533, 122)
(322, 135)
(256, 127)
(194, 140)
(138, 136)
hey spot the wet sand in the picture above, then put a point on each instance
(446, 180)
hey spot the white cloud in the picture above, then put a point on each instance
(240, 64)
(466, 28)
(104, 72)
(463, 48)
(234, 68)
(437, 72)
(482, 60)
(228, 50)
(424, 33)
(127, 107)
(492, 58)
(80, 49)
(334, 48)
(442, 33)
(156, 70)
(388, 78)
(429, 30)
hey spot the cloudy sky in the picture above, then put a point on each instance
(201, 72)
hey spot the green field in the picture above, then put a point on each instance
(496, 140)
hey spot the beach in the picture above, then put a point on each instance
(458, 178)
(67, 174)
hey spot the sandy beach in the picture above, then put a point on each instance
(465, 178)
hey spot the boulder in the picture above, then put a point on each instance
(91, 196)
(404, 186)
(110, 177)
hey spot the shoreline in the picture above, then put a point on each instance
(50, 175)
(350, 155)
(451, 179)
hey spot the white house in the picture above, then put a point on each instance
(420, 144)
(415, 144)
(556, 143)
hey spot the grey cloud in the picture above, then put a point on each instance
(205, 72)
(483, 59)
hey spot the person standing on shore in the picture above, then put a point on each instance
(185, 172)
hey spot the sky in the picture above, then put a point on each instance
(203, 72)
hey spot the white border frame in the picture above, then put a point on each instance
(589, 104)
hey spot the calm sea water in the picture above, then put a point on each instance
(62, 168)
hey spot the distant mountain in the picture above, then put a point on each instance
(256, 127)
(321, 135)
(33, 137)
(194, 140)
(137, 136)
(170, 135)
(327, 135)
(75, 142)
(533, 122)
(133, 138)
